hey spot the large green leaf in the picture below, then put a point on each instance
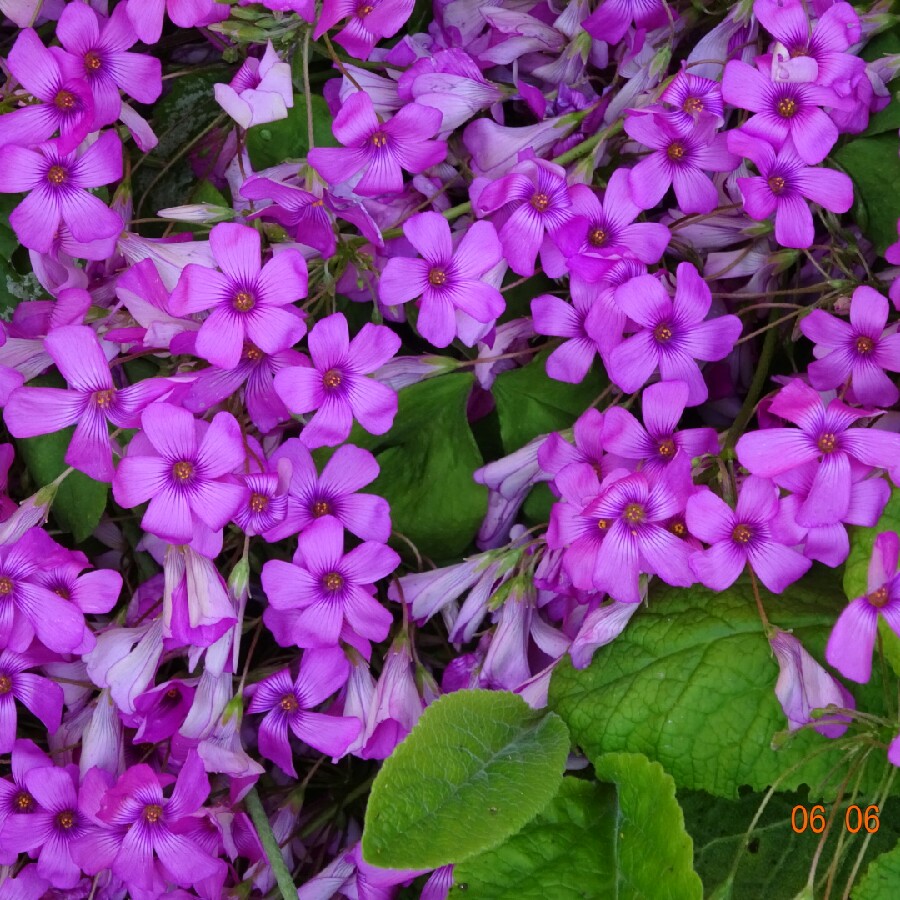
(529, 402)
(568, 852)
(477, 766)
(874, 166)
(273, 143)
(427, 460)
(690, 684)
(882, 880)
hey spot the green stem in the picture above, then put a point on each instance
(285, 882)
(756, 386)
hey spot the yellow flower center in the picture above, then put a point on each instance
(258, 502)
(23, 802)
(5, 684)
(437, 277)
(152, 813)
(742, 534)
(332, 379)
(104, 399)
(663, 332)
(321, 508)
(333, 582)
(864, 345)
(66, 819)
(787, 108)
(603, 524)
(827, 443)
(597, 237)
(64, 100)
(666, 448)
(57, 175)
(92, 61)
(675, 150)
(289, 703)
(244, 301)
(6, 586)
(252, 352)
(634, 513)
(379, 139)
(540, 201)
(879, 598)
(183, 470)
(693, 105)
(776, 184)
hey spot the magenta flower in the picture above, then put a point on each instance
(325, 592)
(151, 839)
(680, 160)
(92, 400)
(337, 386)
(98, 54)
(333, 493)
(289, 706)
(147, 15)
(260, 91)
(673, 333)
(859, 351)
(66, 104)
(58, 183)
(247, 300)
(612, 18)
(16, 801)
(691, 97)
(383, 149)
(266, 504)
(40, 696)
(781, 187)
(852, 639)
(600, 233)
(447, 281)
(784, 109)
(751, 533)
(824, 436)
(184, 468)
(369, 22)
(531, 201)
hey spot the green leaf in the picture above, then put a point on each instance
(427, 460)
(80, 501)
(874, 166)
(690, 684)
(882, 880)
(529, 402)
(567, 852)
(477, 766)
(273, 143)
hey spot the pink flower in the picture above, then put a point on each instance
(38, 695)
(260, 91)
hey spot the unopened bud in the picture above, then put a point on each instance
(199, 213)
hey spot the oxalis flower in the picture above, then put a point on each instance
(447, 281)
(337, 386)
(40, 696)
(247, 300)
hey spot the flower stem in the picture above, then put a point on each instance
(285, 882)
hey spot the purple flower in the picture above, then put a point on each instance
(92, 400)
(147, 15)
(289, 705)
(246, 298)
(58, 184)
(601, 626)
(678, 159)
(161, 711)
(600, 233)
(65, 103)
(852, 639)
(266, 505)
(369, 22)
(859, 351)
(324, 592)
(692, 96)
(751, 533)
(447, 281)
(612, 18)
(333, 493)
(260, 91)
(824, 436)
(337, 386)
(98, 54)
(783, 184)
(39, 695)
(784, 109)
(531, 201)
(151, 839)
(383, 149)
(184, 468)
(673, 333)
(16, 801)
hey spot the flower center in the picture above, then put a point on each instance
(183, 470)
(289, 703)
(152, 813)
(799, 51)
(23, 802)
(363, 10)
(663, 332)
(540, 201)
(66, 819)
(243, 301)
(742, 534)
(5, 684)
(332, 379)
(827, 443)
(6, 586)
(64, 100)
(864, 345)
(634, 513)
(693, 105)
(57, 175)
(333, 582)
(104, 399)
(675, 150)
(879, 598)
(777, 184)
(787, 107)
(666, 448)
(678, 528)
(437, 277)
(172, 693)
(252, 352)
(92, 61)
(597, 237)
(379, 139)
(320, 508)
(62, 592)
(258, 502)
(603, 524)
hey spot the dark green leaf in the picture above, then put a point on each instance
(882, 880)
(273, 143)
